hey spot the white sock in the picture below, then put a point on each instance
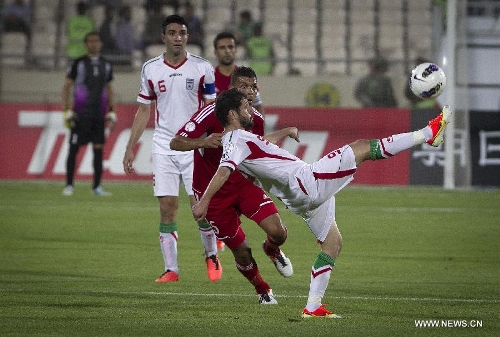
(396, 143)
(422, 135)
(320, 276)
(168, 245)
(209, 241)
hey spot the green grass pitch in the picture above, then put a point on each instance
(85, 266)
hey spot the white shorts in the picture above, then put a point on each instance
(331, 174)
(169, 171)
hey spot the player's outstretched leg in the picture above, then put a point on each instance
(383, 148)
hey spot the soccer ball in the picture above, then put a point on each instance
(427, 80)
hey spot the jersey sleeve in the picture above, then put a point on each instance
(200, 123)
(209, 82)
(235, 150)
(146, 93)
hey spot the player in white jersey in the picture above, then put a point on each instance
(179, 83)
(307, 189)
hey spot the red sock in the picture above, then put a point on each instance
(252, 274)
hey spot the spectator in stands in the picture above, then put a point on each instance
(174, 4)
(16, 17)
(375, 89)
(260, 51)
(245, 27)
(78, 27)
(196, 33)
(107, 31)
(417, 103)
(152, 29)
(125, 41)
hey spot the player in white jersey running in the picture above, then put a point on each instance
(179, 83)
(307, 189)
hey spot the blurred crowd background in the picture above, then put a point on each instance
(306, 37)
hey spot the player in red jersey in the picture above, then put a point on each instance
(306, 189)
(225, 51)
(238, 195)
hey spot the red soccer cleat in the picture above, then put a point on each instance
(321, 312)
(438, 125)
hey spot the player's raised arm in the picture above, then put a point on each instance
(180, 143)
(291, 132)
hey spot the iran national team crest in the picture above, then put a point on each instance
(189, 83)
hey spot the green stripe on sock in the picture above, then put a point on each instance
(168, 227)
(375, 152)
(203, 224)
(322, 260)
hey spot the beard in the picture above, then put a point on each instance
(246, 123)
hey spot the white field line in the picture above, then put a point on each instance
(356, 298)
(351, 298)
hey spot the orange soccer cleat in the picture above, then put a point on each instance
(214, 268)
(168, 276)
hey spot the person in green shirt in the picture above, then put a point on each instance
(78, 26)
(244, 29)
(261, 53)
(375, 89)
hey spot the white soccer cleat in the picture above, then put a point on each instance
(267, 297)
(281, 262)
(68, 191)
(101, 192)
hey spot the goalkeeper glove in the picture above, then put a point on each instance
(111, 119)
(69, 117)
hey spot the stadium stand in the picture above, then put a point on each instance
(336, 36)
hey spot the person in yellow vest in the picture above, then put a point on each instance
(261, 53)
(78, 26)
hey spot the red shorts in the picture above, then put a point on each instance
(225, 209)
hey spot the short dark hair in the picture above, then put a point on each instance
(242, 72)
(246, 14)
(81, 7)
(93, 33)
(227, 100)
(223, 35)
(174, 18)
